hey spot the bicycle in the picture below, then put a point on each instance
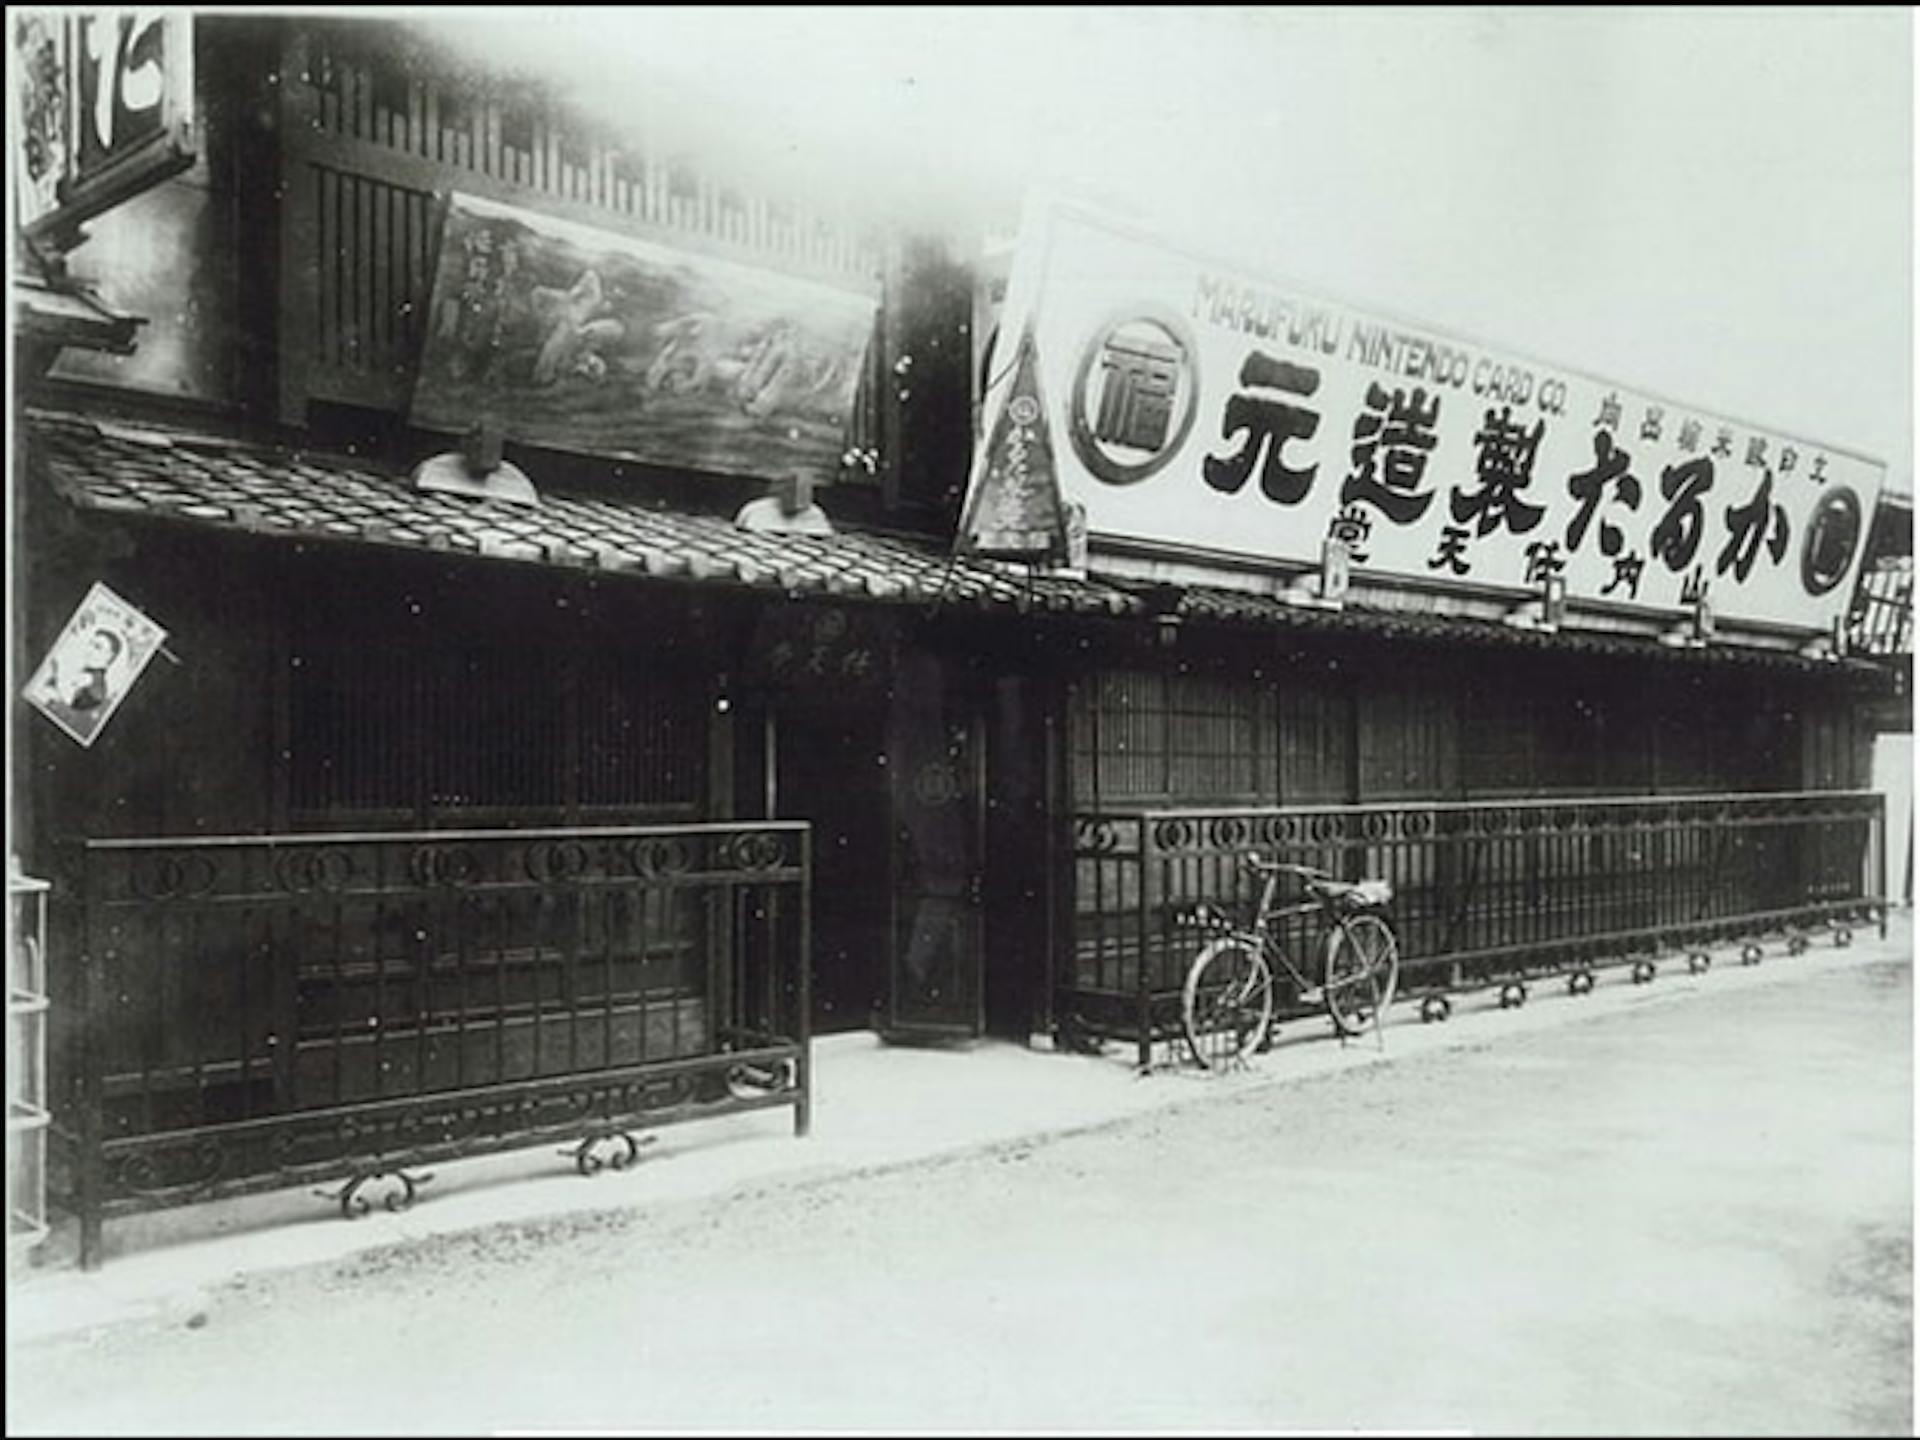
(1226, 1004)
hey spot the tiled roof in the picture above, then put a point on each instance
(269, 490)
(299, 493)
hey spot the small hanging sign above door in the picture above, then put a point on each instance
(100, 654)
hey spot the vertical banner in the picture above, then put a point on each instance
(1205, 410)
(92, 666)
(1014, 510)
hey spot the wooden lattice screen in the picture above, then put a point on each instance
(408, 732)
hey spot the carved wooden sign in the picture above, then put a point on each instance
(829, 649)
(582, 339)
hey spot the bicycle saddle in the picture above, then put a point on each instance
(1354, 895)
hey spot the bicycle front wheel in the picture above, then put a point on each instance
(1227, 1002)
(1363, 970)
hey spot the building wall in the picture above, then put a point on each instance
(192, 255)
(1361, 724)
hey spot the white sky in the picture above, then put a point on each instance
(1712, 204)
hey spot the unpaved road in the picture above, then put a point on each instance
(1691, 1219)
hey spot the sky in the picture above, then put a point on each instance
(1710, 204)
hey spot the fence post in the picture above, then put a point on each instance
(803, 1107)
(1142, 979)
(1879, 825)
(89, 1181)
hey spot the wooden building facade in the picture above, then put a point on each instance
(350, 656)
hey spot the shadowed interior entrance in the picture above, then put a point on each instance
(830, 770)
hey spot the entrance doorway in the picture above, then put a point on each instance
(894, 787)
(830, 770)
(937, 760)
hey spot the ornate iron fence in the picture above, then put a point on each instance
(1485, 893)
(260, 1011)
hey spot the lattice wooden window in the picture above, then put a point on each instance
(1409, 737)
(1142, 736)
(1218, 749)
(1569, 741)
(1497, 744)
(424, 730)
(1316, 742)
(496, 730)
(354, 716)
(642, 739)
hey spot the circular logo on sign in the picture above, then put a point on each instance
(1833, 536)
(936, 784)
(1024, 409)
(1134, 395)
(831, 625)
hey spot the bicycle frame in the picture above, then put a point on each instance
(1264, 935)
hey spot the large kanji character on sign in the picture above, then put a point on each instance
(1141, 377)
(1269, 425)
(1505, 468)
(1610, 464)
(1392, 439)
(1747, 526)
(1677, 536)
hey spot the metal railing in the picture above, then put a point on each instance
(27, 1114)
(263, 1011)
(1483, 892)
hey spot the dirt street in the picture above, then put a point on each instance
(1688, 1219)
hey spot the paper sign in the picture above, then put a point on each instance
(93, 664)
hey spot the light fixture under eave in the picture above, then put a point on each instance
(1683, 635)
(1326, 588)
(478, 469)
(787, 508)
(1543, 612)
(1831, 647)
(1694, 631)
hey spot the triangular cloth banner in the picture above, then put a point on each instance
(1015, 511)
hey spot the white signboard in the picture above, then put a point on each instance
(93, 664)
(1197, 408)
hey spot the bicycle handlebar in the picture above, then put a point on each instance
(1325, 886)
(1253, 860)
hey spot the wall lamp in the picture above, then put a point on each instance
(1694, 632)
(1543, 612)
(1326, 588)
(1162, 604)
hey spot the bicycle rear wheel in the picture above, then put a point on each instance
(1363, 970)
(1227, 1002)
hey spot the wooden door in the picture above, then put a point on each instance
(936, 762)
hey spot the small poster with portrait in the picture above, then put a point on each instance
(95, 662)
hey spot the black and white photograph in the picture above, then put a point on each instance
(960, 720)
